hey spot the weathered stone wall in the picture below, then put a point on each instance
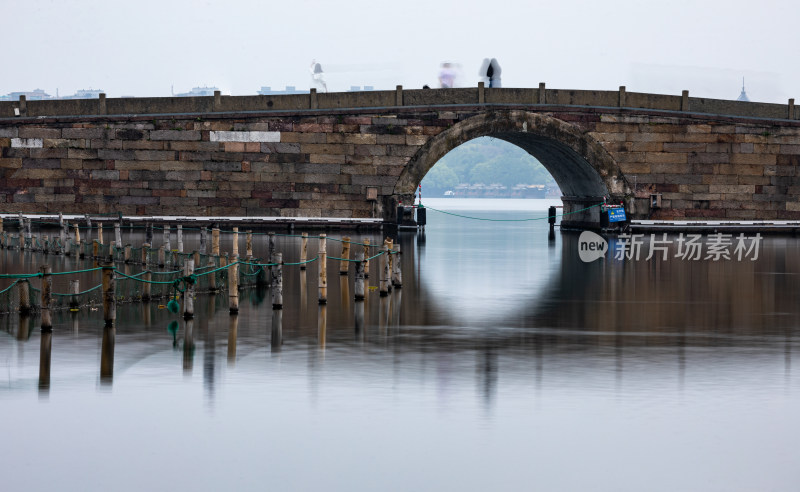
(326, 162)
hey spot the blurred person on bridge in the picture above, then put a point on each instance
(447, 76)
(490, 72)
(317, 75)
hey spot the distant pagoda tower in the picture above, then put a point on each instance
(743, 95)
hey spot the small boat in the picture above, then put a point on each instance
(449, 194)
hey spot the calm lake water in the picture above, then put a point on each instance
(505, 362)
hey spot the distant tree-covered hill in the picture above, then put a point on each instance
(485, 160)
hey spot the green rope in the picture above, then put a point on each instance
(78, 271)
(79, 293)
(513, 220)
(9, 287)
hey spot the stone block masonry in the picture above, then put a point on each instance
(309, 163)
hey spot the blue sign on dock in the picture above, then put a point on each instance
(616, 214)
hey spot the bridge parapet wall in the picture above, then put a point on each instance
(326, 162)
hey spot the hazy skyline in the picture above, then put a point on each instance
(145, 48)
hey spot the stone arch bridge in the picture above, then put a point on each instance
(353, 155)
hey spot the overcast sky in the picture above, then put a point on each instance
(144, 47)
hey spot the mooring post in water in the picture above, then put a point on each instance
(344, 263)
(235, 246)
(62, 235)
(45, 349)
(367, 254)
(146, 278)
(126, 254)
(277, 288)
(248, 245)
(188, 294)
(148, 235)
(145, 253)
(47, 293)
(167, 244)
(24, 287)
(100, 232)
(215, 240)
(203, 239)
(1, 223)
(271, 257)
(233, 285)
(88, 227)
(276, 339)
(551, 219)
(74, 289)
(397, 273)
(359, 284)
(303, 250)
(118, 234)
(323, 269)
(109, 298)
(179, 227)
(96, 248)
(385, 270)
(196, 257)
(162, 261)
(82, 248)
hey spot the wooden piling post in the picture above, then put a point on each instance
(323, 269)
(146, 278)
(233, 285)
(118, 234)
(367, 254)
(24, 287)
(385, 271)
(145, 253)
(126, 254)
(74, 289)
(109, 298)
(62, 234)
(215, 241)
(77, 234)
(1, 223)
(303, 250)
(344, 263)
(167, 245)
(196, 257)
(204, 240)
(188, 294)
(96, 249)
(277, 288)
(162, 261)
(47, 293)
(88, 227)
(148, 235)
(397, 274)
(180, 238)
(82, 248)
(235, 246)
(271, 257)
(249, 245)
(100, 232)
(359, 284)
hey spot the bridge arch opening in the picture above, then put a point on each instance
(582, 168)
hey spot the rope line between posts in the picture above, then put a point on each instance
(513, 220)
(9, 287)
(79, 293)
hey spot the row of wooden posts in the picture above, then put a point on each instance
(390, 271)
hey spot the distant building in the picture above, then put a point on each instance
(35, 95)
(290, 89)
(85, 94)
(198, 92)
(743, 95)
